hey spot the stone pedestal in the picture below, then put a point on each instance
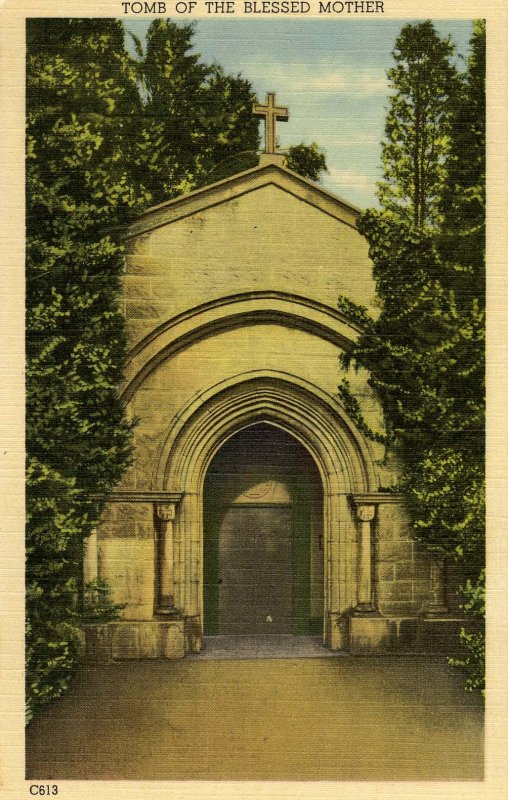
(369, 635)
(439, 635)
(119, 641)
(265, 159)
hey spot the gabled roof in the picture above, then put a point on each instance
(237, 185)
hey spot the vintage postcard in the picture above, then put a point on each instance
(254, 282)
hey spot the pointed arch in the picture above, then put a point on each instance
(342, 457)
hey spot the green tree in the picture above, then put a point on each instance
(198, 120)
(424, 359)
(307, 160)
(81, 101)
(425, 351)
(417, 132)
(107, 136)
(195, 116)
(462, 251)
(462, 205)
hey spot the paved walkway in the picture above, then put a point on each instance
(278, 645)
(339, 719)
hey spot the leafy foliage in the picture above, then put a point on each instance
(195, 116)
(462, 240)
(197, 121)
(417, 131)
(473, 642)
(97, 604)
(354, 311)
(81, 94)
(307, 160)
(425, 351)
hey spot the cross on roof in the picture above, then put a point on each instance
(270, 112)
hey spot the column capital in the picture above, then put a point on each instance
(365, 513)
(166, 511)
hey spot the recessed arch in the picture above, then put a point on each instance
(342, 457)
(295, 405)
(251, 308)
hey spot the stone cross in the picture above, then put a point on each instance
(271, 113)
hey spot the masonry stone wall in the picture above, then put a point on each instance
(263, 240)
(126, 557)
(169, 388)
(402, 569)
(267, 240)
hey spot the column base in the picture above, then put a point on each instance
(369, 633)
(365, 610)
(336, 631)
(438, 612)
(130, 640)
(193, 634)
(167, 613)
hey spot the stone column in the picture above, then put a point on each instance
(438, 604)
(365, 514)
(166, 513)
(90, 559)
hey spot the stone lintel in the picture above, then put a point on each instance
(376, 499)
(143, 497)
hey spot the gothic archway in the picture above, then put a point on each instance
(263, 537)
(317, 422)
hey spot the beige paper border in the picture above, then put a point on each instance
(12, 16)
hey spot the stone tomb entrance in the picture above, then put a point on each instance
(263, 537)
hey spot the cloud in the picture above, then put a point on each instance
(357, 187)
(300, 78)
(349, 138)
(342, 177)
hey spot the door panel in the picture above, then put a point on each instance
(255, 570)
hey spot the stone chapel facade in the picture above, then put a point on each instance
(254, 504)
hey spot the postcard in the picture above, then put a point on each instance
(254, 282)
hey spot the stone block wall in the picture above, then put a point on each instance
(222, 250)
(126, 557)
(402, 567)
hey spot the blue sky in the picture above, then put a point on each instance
(332, 76)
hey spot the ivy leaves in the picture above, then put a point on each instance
(425, 351)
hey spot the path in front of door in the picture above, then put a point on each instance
(295, 719)
(218, 648)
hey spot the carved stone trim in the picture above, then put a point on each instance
(366, 513)
(229, 312)
(376, 499)
(142, 497)
(166, 511)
